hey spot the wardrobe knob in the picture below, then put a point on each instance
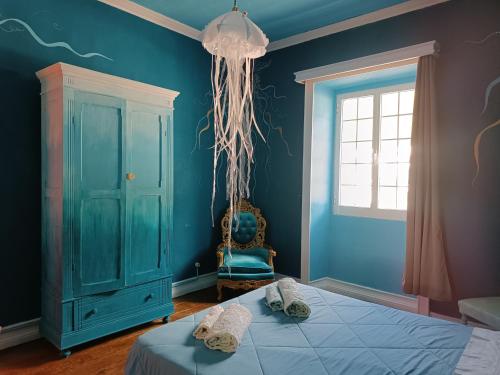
(150, 296)
(130, 176)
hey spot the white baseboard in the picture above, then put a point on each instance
(367, 294)
(193, 284)
(19, 333)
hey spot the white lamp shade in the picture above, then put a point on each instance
(234, 36)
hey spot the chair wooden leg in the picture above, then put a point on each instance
(219, 292)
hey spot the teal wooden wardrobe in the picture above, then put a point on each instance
(106, 204)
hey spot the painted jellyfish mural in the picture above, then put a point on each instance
(488, 91)
(10, 25)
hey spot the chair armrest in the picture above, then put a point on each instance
(270, 255)
(220, 255)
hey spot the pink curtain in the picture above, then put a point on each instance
(426, 271)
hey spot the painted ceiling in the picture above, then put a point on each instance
(277, 18)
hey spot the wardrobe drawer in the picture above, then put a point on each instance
(106, 307)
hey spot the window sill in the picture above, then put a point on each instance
(370, 213)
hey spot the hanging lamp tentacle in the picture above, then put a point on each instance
(234, 41)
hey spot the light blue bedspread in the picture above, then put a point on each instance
(342, 336)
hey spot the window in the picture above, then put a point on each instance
(373, 152)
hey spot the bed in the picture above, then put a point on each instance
(342, 336)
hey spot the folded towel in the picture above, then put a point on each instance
(273, 297)
(293, 300)
(227, 332)
(207, 322)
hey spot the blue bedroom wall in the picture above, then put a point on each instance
(321, 181)
(464, 70)
(140, 51)
(358, 250)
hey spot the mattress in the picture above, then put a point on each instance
(342, 336)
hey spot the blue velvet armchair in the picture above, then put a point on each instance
(251, 265)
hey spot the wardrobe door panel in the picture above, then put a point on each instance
(146, 149)
(100, 204)
(146, 193)
(100, 147)
(146, 235)
(100, 241)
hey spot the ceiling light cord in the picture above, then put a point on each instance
(235, 6)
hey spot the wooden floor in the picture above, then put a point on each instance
(103, 356)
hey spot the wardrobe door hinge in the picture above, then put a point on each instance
(73, 267)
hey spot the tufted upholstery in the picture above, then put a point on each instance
(251, 263)
(247, 228)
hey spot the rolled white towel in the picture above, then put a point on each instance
(227, 332)
(207, 322)
(273, 298)
(294, 303)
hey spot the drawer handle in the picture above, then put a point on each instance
(92, 312)
(150, 296)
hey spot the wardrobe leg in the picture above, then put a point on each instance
(65, 353)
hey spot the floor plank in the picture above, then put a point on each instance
(103, 356)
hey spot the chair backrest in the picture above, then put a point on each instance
(249, 232)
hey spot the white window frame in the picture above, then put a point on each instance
(367, 212)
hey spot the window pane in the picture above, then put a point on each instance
(349, 109)
(387, 198)
(365, 130)
(389, 151)
(348, 152)
(364, 152)
(348, 174)
(405, 126)
(365, 107)
(406, 101)
(364, 175)
(403, 169)
(348, 195)
(388, 174)
(390, 104)
(394, 146)
(402, 198)
(389, 128)
(404, 150)
(364, 196)
(349, 131)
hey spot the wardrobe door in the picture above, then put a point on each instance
(147, 161)
(98, 149)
